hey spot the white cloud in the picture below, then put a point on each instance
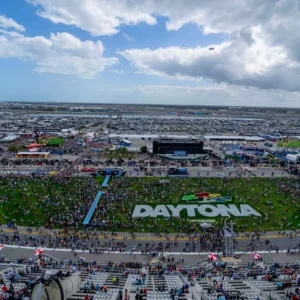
(104, 17)
(128, 37)
(97, 17)
(10, 23)
(10, 33)
(238, 61)
(62, 53)
(262, 49)
(221, 94)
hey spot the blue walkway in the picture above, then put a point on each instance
(92, 209)
(106, 179)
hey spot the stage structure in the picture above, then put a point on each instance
(178, 147)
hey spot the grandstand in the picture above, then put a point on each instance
(81, 280)
(246, 289)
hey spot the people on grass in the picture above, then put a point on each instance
(275, 194)
(47, 201)
(63, 202)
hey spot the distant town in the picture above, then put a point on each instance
(165, 183)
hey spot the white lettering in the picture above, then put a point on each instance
(160, 210)
(176, 210)
(224, 211)
(191, 210)
(141, 211)
(214, 211)
(247, 210)
(207, 210)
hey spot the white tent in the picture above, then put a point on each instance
(292, 157)
(89, 135)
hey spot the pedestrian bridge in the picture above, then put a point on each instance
(92, 208)
(105, 182)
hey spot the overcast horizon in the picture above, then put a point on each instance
(170, 52)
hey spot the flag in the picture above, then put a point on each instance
(38, 251)
(256, 255)
(212, 257)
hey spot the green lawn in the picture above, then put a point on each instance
(38, 202)
(99, 179)
(275, 199)
(289, 144)
(56, 141)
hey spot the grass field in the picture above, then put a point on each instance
(39, 202)
(289, 144)
(46, 202)
(55, 141)
(275, 199)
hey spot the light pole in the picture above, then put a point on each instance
(228, 236)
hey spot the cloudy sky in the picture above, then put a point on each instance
(211, 52)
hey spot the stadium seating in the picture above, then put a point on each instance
(107, 282)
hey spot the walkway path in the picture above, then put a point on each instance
(140, 236)
(92, 209)
(105, 182)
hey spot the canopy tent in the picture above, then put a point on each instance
(212, 256)
(256, 256)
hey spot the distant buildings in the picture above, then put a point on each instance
(9, 138)
(233, 138)
(178, 147)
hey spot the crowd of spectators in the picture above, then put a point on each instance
(285, 276)
(124, 193)
(47, 201)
